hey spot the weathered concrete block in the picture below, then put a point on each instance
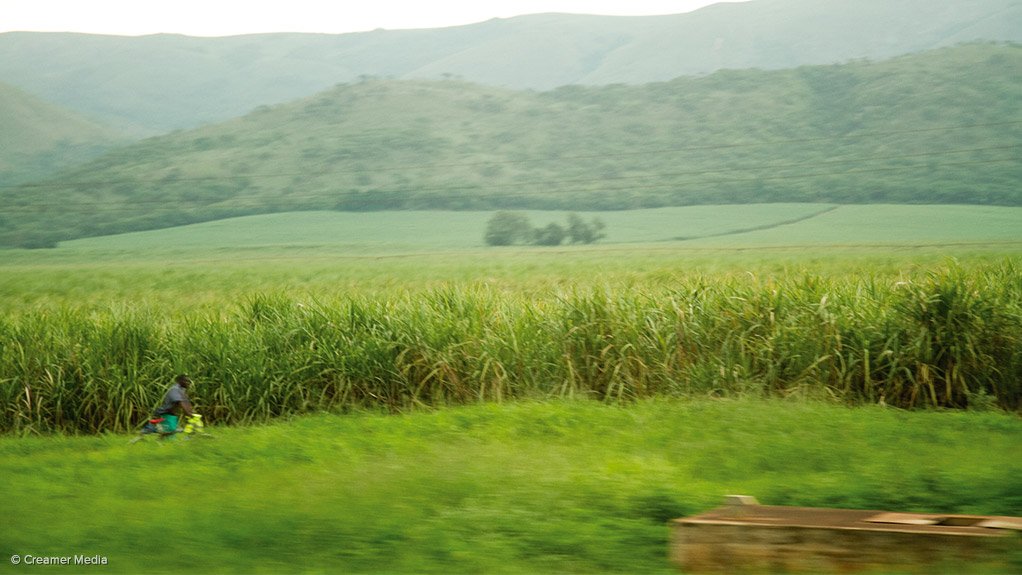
(745, 537)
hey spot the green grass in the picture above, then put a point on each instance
(517, 488)
(889, 225)
(432, 230)
(385, 252)
(701, 227)
(218, 277)
(440, 242)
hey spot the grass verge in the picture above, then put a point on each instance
(557, 486)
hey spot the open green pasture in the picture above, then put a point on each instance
(551, 487)
(362, 233)
(316, 253)
(887, 225)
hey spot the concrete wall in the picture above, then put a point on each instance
(711, 548)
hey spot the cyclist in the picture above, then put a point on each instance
(175, 403)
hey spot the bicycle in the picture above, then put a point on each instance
(193, 427)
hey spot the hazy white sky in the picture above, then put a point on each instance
(230, 17)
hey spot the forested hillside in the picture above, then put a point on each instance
(37, 137)
(153, 84)
(940, 127)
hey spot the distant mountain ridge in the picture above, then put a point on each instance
(153, 84)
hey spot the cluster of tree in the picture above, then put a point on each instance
(507, 228)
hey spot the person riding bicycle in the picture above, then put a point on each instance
(175, 403)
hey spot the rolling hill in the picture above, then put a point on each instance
(936, 128)
(153, 84)
(39, 138)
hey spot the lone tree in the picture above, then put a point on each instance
(507, 228)
(552, 235)
(579, 232)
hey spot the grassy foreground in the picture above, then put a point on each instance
(559, 486)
